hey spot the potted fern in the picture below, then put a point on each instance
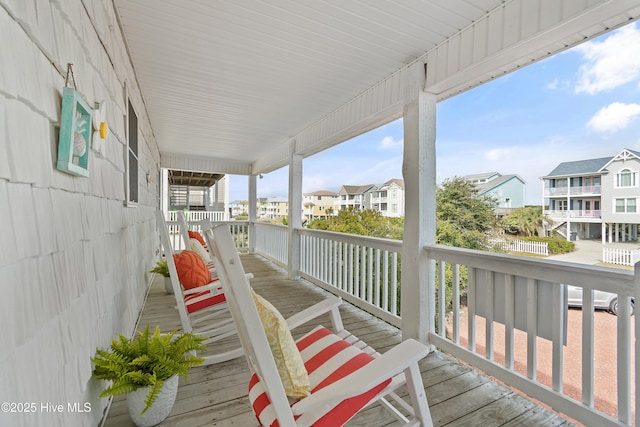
(146, 368)
(162, 268)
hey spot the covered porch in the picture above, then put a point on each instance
(217, 394)
(246, 88)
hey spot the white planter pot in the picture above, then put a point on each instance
(160, 408)
(168, 286)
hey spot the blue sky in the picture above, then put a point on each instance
(583, 103)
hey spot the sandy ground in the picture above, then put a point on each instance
(605, 388)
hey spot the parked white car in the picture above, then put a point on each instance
(601, 299)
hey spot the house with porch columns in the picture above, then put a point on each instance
(595, 198)
(246, 89)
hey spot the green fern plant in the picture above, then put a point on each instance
(161, 268)
(147, 360)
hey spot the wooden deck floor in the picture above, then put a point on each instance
(216, 395)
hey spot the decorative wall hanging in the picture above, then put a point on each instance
(101, 130)
(75, 131)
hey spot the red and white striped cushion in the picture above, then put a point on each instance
(327, 359)
(205, 299)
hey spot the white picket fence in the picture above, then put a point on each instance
(512, 245)
(620, 256)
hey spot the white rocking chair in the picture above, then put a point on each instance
(203, 310)
(345, 374)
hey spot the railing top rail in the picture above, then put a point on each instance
(586, 276)
(373, 242)
(269, 224)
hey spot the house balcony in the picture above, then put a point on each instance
(587, 190)
(508, 319)
(583, 215)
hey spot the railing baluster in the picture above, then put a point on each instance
(558, 329)
(356, 271)
(363, 273)
(490, 312)
(532, 328)
(587, 347)
(471, 308)
(394, 284)
(441, 300)
(624, 359)
(370, 276)
(455, 300)
(376, 286)
(509, 321)
(385, 281)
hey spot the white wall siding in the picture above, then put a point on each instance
(73, 260)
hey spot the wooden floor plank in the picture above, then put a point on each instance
(216, 395)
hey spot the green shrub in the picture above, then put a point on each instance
(557, 244)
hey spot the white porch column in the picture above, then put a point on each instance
(604, 233)
(164, 192)
(253, 209)
(295, 210)
(419, 173)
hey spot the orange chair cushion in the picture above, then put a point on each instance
(192, 271)
(196, 235)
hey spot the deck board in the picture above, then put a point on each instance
(216, 395)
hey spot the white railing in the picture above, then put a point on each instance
(515, 245)
(556, 191)
(193, 216)
(363, 270)
(575, 213)
(239, 231)
(511, 297)
(272, 241)
(563, 191)
(618, 256)
(587, 189)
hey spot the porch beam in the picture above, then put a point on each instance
(419, 173)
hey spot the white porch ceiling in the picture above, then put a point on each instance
(229, 83)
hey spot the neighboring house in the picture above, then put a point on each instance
(389, 198)
(261, 207)
(319, 204)
(276, 208)
(507, 190)
(595, 198)
(357, 196)
(239, 207)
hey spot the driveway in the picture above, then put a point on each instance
(590, 251)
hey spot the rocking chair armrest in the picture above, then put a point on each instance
(213, 286)
(388, 365)
(325, 306)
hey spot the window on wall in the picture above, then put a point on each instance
(132, 156)
(625, 205)
(626, 178)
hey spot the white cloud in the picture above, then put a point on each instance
(388, 143)
(498, 154)
(553, 85)
(611, 62)
(613, 117)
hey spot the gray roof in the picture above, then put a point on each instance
(478, 176)
(490, 185)
(581, 167)
(356, 189)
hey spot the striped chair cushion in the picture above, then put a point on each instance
(200, 301)
(327, 359)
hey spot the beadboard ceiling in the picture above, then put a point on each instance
(236, 80)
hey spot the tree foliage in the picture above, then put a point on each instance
(365, 222)
(463, 217)
(525, 221)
